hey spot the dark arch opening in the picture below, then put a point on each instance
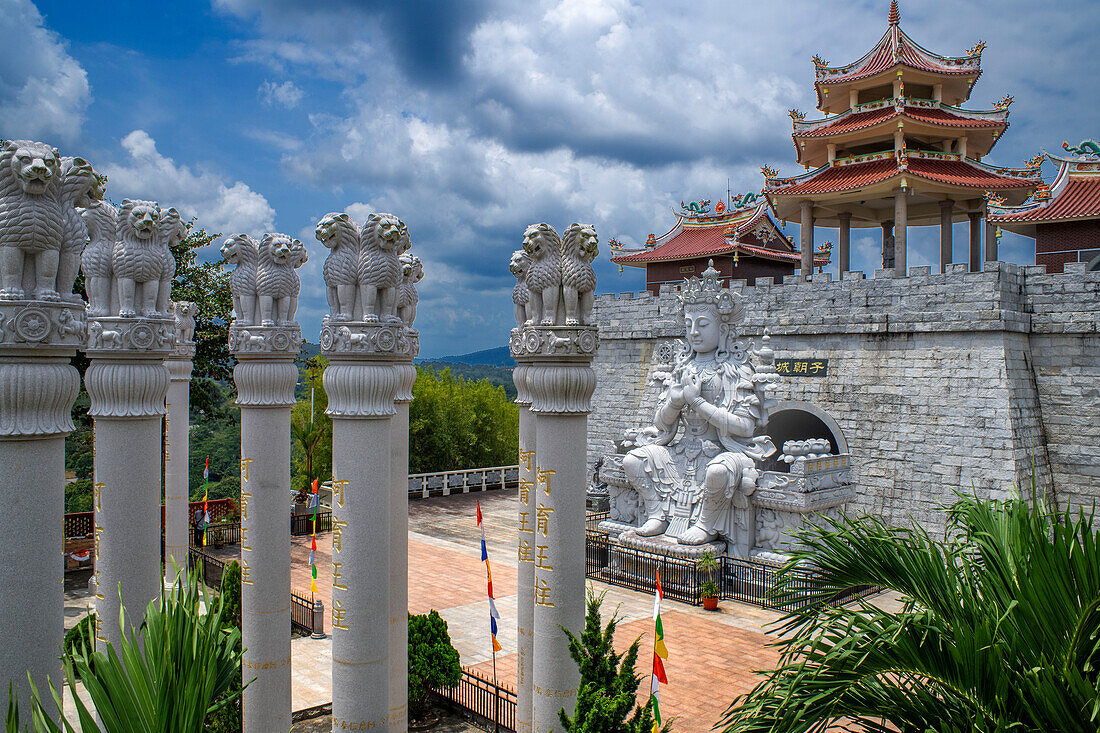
(793, 423)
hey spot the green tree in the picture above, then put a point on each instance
(609, 684)
(433, 661)
(167, 675)
(227, 718)
(311, 429)
(999, 631)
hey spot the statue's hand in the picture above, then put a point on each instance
(676, 396)
(692, 386)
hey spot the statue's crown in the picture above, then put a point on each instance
(707, 290)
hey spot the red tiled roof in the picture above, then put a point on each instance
(861, 120)
(1080, 199)
(774, 255)
(952, 172)
(688, 243)
(894, 48)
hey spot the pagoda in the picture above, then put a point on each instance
(738, 235)
(895, 149)
(1064, 217)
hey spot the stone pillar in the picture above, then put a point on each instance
(399, 546)
(901, 215)
(525, 609)
(370, 343)
(975, 241)
(807, 239)
(362, 383)
(887, 245)
(845, 240)
(265, 376)
(37, 389)
(127, 382)
(990, 242)
(265, 338)
(560, 382)
(946, 208)
(177, 525)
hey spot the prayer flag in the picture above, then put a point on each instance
(313, 502)
(660, 653)
(205, 500)
(493, 613)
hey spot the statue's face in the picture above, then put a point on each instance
(703, 329)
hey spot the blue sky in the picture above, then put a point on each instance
(471, 119)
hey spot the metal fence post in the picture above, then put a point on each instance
(318, 623)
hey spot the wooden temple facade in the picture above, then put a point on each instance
(1064, 217)
(894, 149)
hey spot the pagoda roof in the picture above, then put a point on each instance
(864, 170)
(1074, 196)
(698, 235)
(896, 49)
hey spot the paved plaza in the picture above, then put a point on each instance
(711, 655)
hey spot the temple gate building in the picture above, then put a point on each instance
(1063, 218)
(895, 149)
(739, 236)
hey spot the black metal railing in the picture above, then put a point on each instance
(681, 580)
(301, 613)
(212, 567)
(302, 524)
(222, 533)
(490, 704)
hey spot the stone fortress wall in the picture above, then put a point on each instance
(937, 383)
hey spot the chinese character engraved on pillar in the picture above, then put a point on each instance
(339, 486)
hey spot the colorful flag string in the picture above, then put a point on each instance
(314, 502)
(493, 613)
(660, 653)
(205, 500)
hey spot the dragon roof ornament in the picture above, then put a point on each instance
(1086, 149)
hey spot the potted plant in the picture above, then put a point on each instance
(708, 564)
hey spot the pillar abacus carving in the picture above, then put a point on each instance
(130, 334)
(265, 338)
(41, 326)
(553, 349)
(370, 343)
(177, 445)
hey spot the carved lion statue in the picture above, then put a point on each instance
(32, 220)
(242, 252)
(379, 270)
(579, 249)
(101, 220)
(135, 260)
(169, 234)
(412, 272)
(78, 180)
(543, 246)
(519, 266)
(277, 283)
(185, 321)
(340, 233)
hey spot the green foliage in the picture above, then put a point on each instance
(456, 423)
(1000, 628)
(311, 429)
(609, 683)
(78, 496)
(227, 718)
(499, 376)
(165, 678)
(231, 594)
(221, 441)
(708, 563)
(433, 661)
(79, 636)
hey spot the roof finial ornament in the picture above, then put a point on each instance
(895, 14)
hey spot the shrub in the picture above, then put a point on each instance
(433, 661)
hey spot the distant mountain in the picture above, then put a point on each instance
(498, 357)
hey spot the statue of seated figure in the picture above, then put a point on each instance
(696, 468)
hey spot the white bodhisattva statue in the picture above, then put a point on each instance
(265, 338)
(369, 340)
(553, 345)
(42, 324)
(696, 467)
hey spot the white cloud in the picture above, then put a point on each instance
(220, 207)
(287, 94)
(43, 90)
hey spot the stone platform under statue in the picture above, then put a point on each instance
(695, 481)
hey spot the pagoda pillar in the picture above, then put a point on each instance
(990, 242)
(946, 208)
(807, 239)
(853, 99)
(845, 239)
(975, 241)
(901, 221)
(177, 532)
(525, 570)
